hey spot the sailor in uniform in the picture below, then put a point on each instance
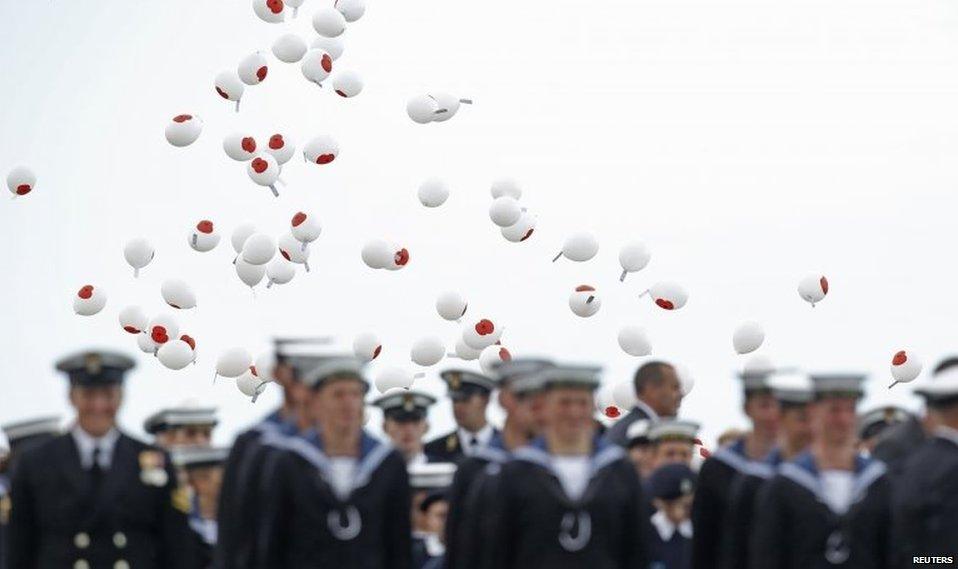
(874, 423)
(658, 394)
(720, 469)
(431, 483)
(338, 497)
(569, 498)
(794, 393)
(203, 467)
(520, 397)
(184, 425)
(470, 392)
(671, 487)
(926, 497)
(673, 441)
(404, 421)
(640, 449)
(829, 506)
(95, 497)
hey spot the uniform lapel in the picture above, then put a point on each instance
(114, 482)
(69, 454)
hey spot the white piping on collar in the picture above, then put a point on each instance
(321, 461)
(759, 469)
(538, 456)
(863, 480)
(491, 454)
(947, 433)
(732, 459)
(639, 404)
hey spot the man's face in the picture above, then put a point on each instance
(406, 435)
(96, 407)
(796, 426)
(206, 481)
(339, 404)
(189, 435)
(666, 396)
(470, 413)
(764, 411)
(678, 510)
(569, 412)
(834, 420)
(435, 517)
(521, 411)
(668, 452)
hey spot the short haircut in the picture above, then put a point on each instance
(650, 373)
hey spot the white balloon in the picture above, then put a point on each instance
(289, 48)
(163, 328)
(604, 401)
(279, 271)
(347, 84)
(265, 366)
(393, 378)
(329, 22)
(584, 301)
(422, 109)
(623, 394)
(433, 192)
(813, 289)
(89, 300)
(377, 254)
(451, 305)
(183, 130)
(479, 333)
(505, 187)
(905, 366)
(520, 230)
(178, 294)
(579, 247)
(491, 356)
(351, 10)
(250, 274)
(175, 354)
(240, 235)
(633, 257)
(253, 68)
(505, 211)
(203, 237)
(398, 260)
(270, 11)
(427, 351)
(133, 319)
(233, 362)
(321, 150)
(293, 251)
(316, 65)
(305, 228)
(229, 86)
(634, 341)
(259, 249)
(250, 385)
(21, 181)
(748, 337)
(668, 295)
(464, 352)
(240, 146)
(333, 46)
(146, 344)
(366, 346)
(281, 147)
(448, 106)
(758, 364)
(264, 170)
(138, 254)
(686, 380)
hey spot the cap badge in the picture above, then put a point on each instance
(93, 363)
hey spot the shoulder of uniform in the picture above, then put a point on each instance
(40, 450)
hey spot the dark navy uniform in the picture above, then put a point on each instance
(670, 545)
(462, 384)
(123, 509)
(739, 513)
(193, 460)
(795, 529)
(433, 480)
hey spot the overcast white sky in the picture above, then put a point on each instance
(747, 142)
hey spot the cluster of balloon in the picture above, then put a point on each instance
(281, 147)
(427, 351)
(633, 257)
(394, 378)
(293, 251)
(492, 356)
(160, 337)
(579, 247)
(21, 181)
(178, 294)
(321, 150)
(434, 107)
(89, 300)
(667, 295)
(433, 192)
(289, 48)
(178, 353)
(183, 130)
(748, 337)
(233, 363)
(480, 333)
(138, 254)
(240, 146)
(380, 254)
(242, 232)
(255, 252)
(524, 225)
(634, 341)
(305, 228)
(366, 346)
(464, 352)
(279, 271)
(813, 289)
(253, 68)
(203, 237)
(333, 46)
(229, 86)
(347, 84)
(451, 306)
(905, 367)
(584, 301)
(270, 11)
(264, 170)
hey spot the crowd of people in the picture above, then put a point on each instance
(812, 483)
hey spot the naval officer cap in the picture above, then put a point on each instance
(21, 432)
(95, 368)
(674, 430)
(199, 456)
(791, 387)
(579, 376)
(183, 416)
(638, 433)
(845, 385)
(755, 382)
(336, 367)
(405, 405)
(672, 481)
(942, 389)
(508, 371)
(463, 383)
(875, 421)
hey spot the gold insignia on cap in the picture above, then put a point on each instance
(452, 441)
(181, 499)
(93, 363)
(408, 402)
(685, 486)
(889, 413)
(455, 381)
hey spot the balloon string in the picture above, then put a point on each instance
(195, 237)
(893, 384)
(622, 276)
(269, 284)
(273, 188)
(466, 101)
(136, 273)
(303, 247)
(237, 105)
(440, 111)
(306, 264)
(214, 377)
(295, 11)
(647, 292)
(556, 258)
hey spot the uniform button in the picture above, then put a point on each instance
(119, 540)
(121, 564)
(81, 540)
(81, 564)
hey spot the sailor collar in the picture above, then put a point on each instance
(309, 446)
(767, 467)
(495, 451)
(603, 454)
(734, 456)
(804, 472)
(948, 434)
